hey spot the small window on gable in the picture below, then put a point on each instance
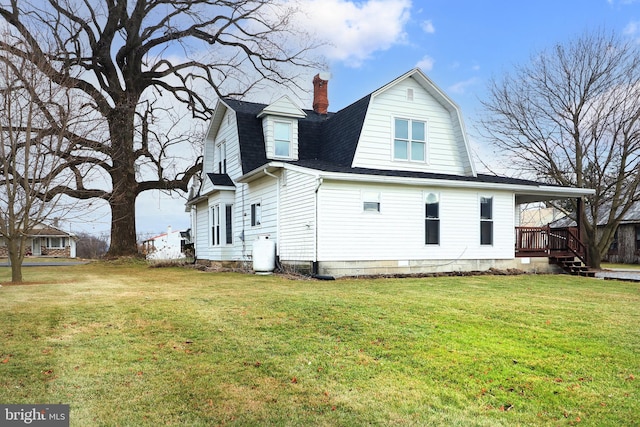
(282, 139)
(371, 202)
(409, 94)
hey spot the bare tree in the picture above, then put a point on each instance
(122, 57)
(35, 119)
(572, 117)
(91, 246)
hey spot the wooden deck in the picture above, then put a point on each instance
(549, 242)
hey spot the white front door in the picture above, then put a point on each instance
(36, 250)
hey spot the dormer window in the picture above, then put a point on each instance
(280, 129)
(282, 138)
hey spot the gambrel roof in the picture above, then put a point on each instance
(328, 142)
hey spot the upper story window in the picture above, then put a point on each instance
(410, 140)
(221, 157)
(282, 139)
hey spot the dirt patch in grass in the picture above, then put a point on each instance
(23, 283)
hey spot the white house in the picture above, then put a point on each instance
(385, 186)
(166, 246)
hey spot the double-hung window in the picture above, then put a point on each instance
(282, 139)
(256, 214)
(432, 219)
(221, 154)
(215, 225)
(410, 140)
(228, 224)
(486, 220)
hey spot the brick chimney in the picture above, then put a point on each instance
(320, 97)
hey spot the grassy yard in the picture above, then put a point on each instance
(127, 345)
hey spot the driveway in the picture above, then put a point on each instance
(620, 274)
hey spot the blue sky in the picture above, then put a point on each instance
(459, 44)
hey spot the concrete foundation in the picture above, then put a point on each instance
(395, 267)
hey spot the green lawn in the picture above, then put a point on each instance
(128, 345)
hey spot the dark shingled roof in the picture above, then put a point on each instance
(328, 143)
(221, 179)
(331, 138)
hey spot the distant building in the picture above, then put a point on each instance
(166, 246)
(45, 240)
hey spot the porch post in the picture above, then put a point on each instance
(579, 213)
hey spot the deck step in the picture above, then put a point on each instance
(572, 266)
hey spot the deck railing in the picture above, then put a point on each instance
(547, 241)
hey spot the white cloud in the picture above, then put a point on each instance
(427, 27)
(632, 29)
(426, 63)
(354, 31)
(461, 87)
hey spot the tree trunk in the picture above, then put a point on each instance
(123, 222)
(594, 258)
(16, 260)
(123, 178)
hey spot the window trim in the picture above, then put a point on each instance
(221, 154)
(371, 202)
(486, 220)
(228, 225)
(428, 219)
(410, 141)
(289, 141)
(61, 239)
(215, 225)
(256, 214)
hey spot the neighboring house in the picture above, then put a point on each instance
(44, 240)
(166, 246)
(386, 185)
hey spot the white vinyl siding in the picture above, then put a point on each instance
(297, 232)
(225, 143)
(446, 151)
(398, 232)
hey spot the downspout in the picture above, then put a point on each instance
(315, 270)
(277, 178)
